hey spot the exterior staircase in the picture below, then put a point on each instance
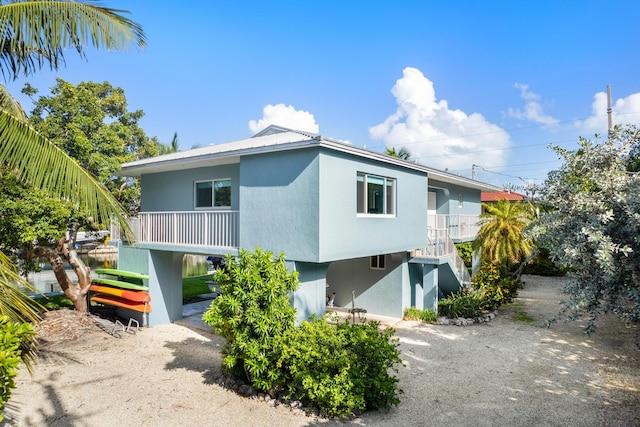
(440, 246)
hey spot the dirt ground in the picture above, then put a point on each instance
(507, 372)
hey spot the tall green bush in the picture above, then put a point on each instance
(252, 313)
(341, 368)
(338, 368)
(15, 340)
(492, 288)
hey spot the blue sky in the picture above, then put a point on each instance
(488, 83)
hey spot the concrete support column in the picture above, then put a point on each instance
(417, 289)
(430, 286)
(310, 298)
(165, 287)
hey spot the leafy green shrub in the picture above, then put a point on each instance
(492, 288)
(252, 313)
(543, 266)
(340, 368)
(465, 250)
(15, 340)
(426, 315)
(463, 304)
(54, 302)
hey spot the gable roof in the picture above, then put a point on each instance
(274, 139)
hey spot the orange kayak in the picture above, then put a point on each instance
(134, 296)
(143, 307)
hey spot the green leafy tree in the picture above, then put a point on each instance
(34, 35)
(252, 313)
(593, 226)
(501, 239)
(29, 215)
(403, 154)
(91, 123)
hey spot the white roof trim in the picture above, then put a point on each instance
(274, 139)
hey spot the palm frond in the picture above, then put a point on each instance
(44, 165)
(14, 300)
(9, 104)
(34, 34)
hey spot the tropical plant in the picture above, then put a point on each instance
(340, 368)
(403, 154)
(493, 288)
(34, 35)
(462, 304)
(17, 337)
(465, 250)
(426, 315)
(593, 226)
(252, 313)
(500, 239)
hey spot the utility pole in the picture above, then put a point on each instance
(609, 108)
(473, 171)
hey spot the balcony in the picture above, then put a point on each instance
(190, 228)
(459, 227)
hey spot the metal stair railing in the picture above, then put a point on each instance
(440, 245)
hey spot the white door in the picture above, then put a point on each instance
(431, 210)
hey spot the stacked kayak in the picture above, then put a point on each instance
(121, 288)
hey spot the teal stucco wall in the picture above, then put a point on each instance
(174, 191)
(279, 203)
(346, 235)
(448, 196)
(382, 292)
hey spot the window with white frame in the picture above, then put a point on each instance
(376, 262)
(212, 194)
(376, 194)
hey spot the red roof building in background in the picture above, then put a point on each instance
(509, 195)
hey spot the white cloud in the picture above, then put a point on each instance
(532, 108)
(624, 111)
(285, 116)
(436, 135)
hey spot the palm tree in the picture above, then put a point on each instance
(172, 148)
(34, 35)
(403, 154)
(500, 239)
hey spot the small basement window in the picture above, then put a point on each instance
(376, 262)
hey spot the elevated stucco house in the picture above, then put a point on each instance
(364, 225)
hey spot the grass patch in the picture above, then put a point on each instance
(195, 285)
(519, 314)
(426, 315)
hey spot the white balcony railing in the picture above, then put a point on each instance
(458, 226)
(198, 228)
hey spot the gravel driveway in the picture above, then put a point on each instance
(506, 372)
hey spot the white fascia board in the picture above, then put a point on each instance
(203, 157)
